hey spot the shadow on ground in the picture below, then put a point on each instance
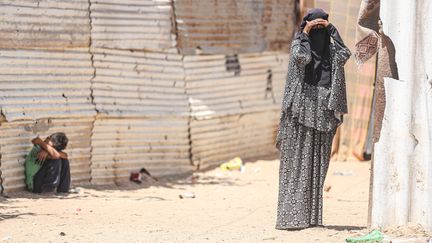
(171, 182)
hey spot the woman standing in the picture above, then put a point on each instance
(313, 105)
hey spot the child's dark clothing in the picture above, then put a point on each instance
(54, 173)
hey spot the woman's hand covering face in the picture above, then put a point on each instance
(315, 24)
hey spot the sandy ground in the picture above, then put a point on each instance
(229, 207)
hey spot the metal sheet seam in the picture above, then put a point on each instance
(2, 119)
(89, 12)
(1, 177)
(174, 29)
(189, 107)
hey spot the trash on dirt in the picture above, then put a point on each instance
(343, 173)
(374, 236)
(219, 175)
(74, 190)
(7, 238)
(327, 188)
(234, 164)
(193, 179)
(137, 177)
(187, 195)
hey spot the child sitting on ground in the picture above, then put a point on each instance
(46, 166)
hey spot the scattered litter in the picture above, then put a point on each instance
(62, 233)
(7, 238)
(74, 190)
(193, 178)
(187, 195)
(343, 173)
(137, 177)
(219, 174)
(327, 188)
(234, 164)
(374, 236)
(270, 238)
(144, 171)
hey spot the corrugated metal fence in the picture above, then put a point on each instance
(161, 84)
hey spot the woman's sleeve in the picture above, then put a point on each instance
(342, 52)
(301, 50)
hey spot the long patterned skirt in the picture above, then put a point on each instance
(305, 157)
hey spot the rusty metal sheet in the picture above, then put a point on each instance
(138, 84)
(44, 23)
(38, 84)
(15, 144)
(132, 24)
(120, 146)
(248, 136)
(215, 88)
(234, 26)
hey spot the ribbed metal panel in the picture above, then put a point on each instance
(215, 91)
(15, 144)
(161, 145)
(247, 135)
(235, 105)
(137, 84)
(45, 83)
(44, 23)
(234, 26)
(132, 24)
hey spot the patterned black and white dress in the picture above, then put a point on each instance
(309, 118)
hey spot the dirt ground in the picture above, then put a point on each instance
(228, 207)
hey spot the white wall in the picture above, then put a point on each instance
(402, 190)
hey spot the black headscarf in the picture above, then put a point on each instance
(318, 71)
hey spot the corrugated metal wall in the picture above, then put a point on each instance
(114, 76)
(45, 83)
(133, 83)
(139, 92)
(234, 26)
(122, 145)
(249, 135)
(132, 24)
(44, 23)
(143, 115)
(235, 102)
